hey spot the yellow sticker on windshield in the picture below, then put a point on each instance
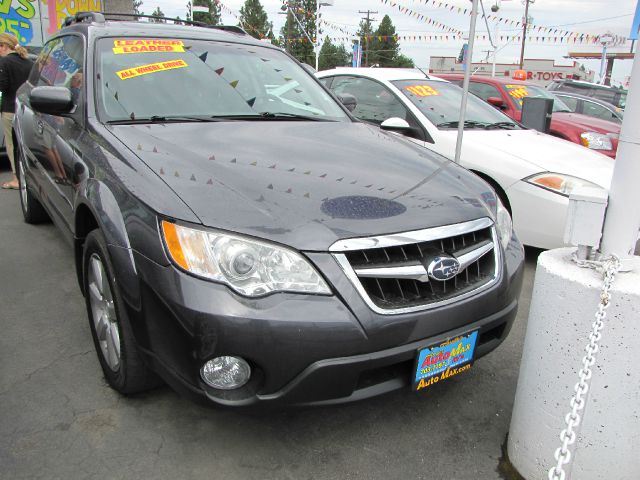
(422, 90)
(151, 68)
(518, 91)
(152, 45)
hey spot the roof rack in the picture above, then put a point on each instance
(98, 17)
(80, 17)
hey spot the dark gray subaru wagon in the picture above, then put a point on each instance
(239, 235)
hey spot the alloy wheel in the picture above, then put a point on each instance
(103, 312)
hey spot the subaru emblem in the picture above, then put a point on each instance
(443, 268)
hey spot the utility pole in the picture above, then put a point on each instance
(289, 22)
(525, 24)
(366, 39)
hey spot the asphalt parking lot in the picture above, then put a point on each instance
(59, 419)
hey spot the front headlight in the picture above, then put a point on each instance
(248, 266)
(503, 224)
(596, 141)
(559, 182)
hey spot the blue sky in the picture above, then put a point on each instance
(583, 16)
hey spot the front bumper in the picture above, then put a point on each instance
(303, 349)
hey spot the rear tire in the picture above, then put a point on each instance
(113, 338)
(32, 210)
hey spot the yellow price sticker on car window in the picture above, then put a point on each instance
(151, 68)
(147, 45)
(422, 90)
(517, 91)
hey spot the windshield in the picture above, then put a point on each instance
(162, 78)
(440, 103)
(519, 91)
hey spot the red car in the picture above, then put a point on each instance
(507, 94)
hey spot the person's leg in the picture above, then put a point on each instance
(7, 120)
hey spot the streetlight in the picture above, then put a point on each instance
(316, 45)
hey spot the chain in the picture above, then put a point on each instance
(568, 436)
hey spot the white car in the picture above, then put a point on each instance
(533, 173)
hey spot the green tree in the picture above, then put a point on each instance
(365, 32)
(387, 46)
(332, 56)
(254, 20)
(210, 17)
(293, 38)
(136, 7)
(158, 16)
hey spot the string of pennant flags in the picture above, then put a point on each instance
(450, 38)
(550, 32)
(423, 18)
(550, 35)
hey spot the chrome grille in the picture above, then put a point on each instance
(390, 271)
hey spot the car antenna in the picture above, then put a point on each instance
(423, 72)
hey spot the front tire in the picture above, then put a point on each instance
(113, 338)
(32, 210)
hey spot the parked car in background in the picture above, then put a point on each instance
(613, 95)
(246, 241)
(591, 106)
(533, 173)
(507, 94)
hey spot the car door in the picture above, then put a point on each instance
(486, 91)
(54, 139)
(376, 103)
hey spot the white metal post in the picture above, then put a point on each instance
(465, 83)
(316, 47)
(622, 220)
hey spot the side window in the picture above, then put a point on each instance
(595, 110)
(326, 81)
(376, 103)
(41, 61)
(570, 102)
(484, 90)
(606, 95)
(64, 67)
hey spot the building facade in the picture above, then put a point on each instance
(539, 71)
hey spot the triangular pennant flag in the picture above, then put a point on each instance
(219, 71)
(234, 160)
(161, 171)
(212, 157)
(251, 101)
(210, 182)
(234, 84)
(254, 163)
(155, 150)
(270, 186)
(273, 166)
(193, 178)
(176, 174)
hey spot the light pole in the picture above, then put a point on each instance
(316, 46)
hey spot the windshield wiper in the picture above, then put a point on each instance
(291, 116)
(505, 125)
(467, 124)
(161, 119)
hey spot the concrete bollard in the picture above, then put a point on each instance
(563, 306)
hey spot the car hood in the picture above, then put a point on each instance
(585, 122)
(306, 184)
(535, 152)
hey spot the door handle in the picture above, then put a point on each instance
(40, 127)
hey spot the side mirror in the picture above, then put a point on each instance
(51, 100)
(496, 102)
(348, 101)
(396, 124)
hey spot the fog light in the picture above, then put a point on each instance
(226, 373)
